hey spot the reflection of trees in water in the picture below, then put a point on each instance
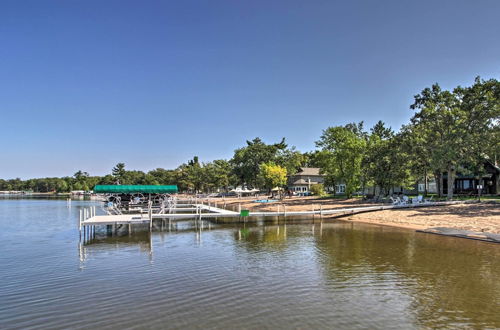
(449, 279)
(264, 238)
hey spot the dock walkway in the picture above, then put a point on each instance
(203, 211)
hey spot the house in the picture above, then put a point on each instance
(468, 183)
(302, 181)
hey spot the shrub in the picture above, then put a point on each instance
(318, 189)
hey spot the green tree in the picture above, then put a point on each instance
(273, 175)
(247, 160)
(217, 175)
(385, 164)
(440, 123)
(81, 179)
(344, 148)
(480, 105)
(119, 172)
(163, 176)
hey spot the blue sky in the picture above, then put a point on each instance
(87, 84)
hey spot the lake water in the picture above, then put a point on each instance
(331, 275)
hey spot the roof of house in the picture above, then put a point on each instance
(308, 171)
(302, 181)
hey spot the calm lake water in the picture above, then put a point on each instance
(334, 275)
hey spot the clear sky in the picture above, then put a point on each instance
(87, 84)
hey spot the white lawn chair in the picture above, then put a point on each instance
(405, 200)
(395, 201)
(420, 199)
(414, 200)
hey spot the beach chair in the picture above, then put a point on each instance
(395, 201)
(414, 200)
(405, 200)
(420, 199)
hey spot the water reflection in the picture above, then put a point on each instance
(103, 243)
(271, 275)
(450, 281)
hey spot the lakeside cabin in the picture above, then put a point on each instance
(466, 184)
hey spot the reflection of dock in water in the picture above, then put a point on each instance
(105, 243)
(123, 237)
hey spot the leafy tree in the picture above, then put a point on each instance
(217, 175)
(385, 163)
(273, 175)
(163, 176)
(480, 105)
(344, 147)
(440, 122)
(291, 159)
(247, 160)
(119, 172)
(312, 159)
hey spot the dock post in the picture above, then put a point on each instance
(80, 223)
(150, 214)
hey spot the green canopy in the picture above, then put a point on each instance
(135, 189)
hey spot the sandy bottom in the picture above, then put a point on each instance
(480, 217)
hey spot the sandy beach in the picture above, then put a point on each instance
(480, 217)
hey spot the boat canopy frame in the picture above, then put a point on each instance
(135, 189)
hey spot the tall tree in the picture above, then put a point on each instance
(247, 160)
(272, 175)
(382, 163)
(119, 172)
(344, 147)
(440, 122)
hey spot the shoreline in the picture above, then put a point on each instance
(470, 216)
(474, 217)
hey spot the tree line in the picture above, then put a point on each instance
(450, 132)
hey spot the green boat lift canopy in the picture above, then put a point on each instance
(135, 189)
